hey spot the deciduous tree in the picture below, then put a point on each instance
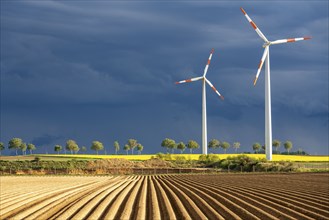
(132, 144)
(97, 146)
(276, 144)
(236, 146)
(213, 144)
(15, 144)
(181, 146)
(76, 150)
(71, 145)
(173, 147)
(58, 148)
(23, 148)
(225, 145)
(126, 148)
(256, 147)
(83, 148)
(116, 146)
(31, 147)
(288, 146)
(168, 143)
(192, 145)
(2, 147)
(140, 148)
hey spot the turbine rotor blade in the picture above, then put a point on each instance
(189, 80)
(290, 40)
(208, 62)
(213, 87)
(254, 26)
(260, 65)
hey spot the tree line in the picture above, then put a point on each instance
(276, 144)
(132, 144)
(18, 144)
(171, 145)
(97, 146)
(214, 144)
(72, 146)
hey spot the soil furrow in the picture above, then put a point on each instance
(114, 211)
(281, 188)
(180, 210)
(276, 210)
(71, 205)
(166, 209)
(202, 203)
(309, 211)
(307, 188)
(140, 212)
(35, 200)
(312, 200)
(192, 206)
(102, 208)
(23, 196)
(222, 209)
(131, 200)
(153, 201)
(89, 206)
(47, 205)
(262, 214)
(300, 205)
(309, 197)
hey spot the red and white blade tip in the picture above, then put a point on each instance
(212, 50)
(289, 40)
(189, 80)
(255, 81)
(184, 81)
(243, 11)
(213, 88)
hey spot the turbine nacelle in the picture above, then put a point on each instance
(267, 44)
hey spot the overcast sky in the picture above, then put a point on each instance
(105, 70)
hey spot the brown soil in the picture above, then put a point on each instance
(223, 196)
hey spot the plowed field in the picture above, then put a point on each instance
(224, 196)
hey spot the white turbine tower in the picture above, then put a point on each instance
(266, 55)
(204, 110)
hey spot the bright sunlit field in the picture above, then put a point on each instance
(293, 158)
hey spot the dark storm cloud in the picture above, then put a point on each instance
(106, 71)
(45, 140)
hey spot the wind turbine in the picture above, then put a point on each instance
(266, 55)
(204, 110)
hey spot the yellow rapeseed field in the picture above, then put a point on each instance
(293, 158)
